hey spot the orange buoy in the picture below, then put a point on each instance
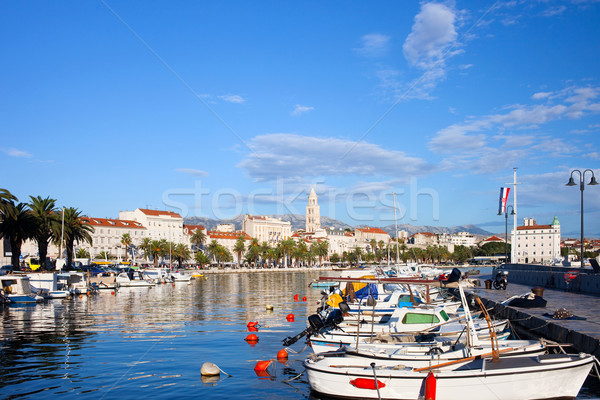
(112, 292)
(282, 355)
(304, 298)
(80, 296)
(252, 324)
(296, 297)
(251, 338)
(290, 317)
(430, 386)
(252, 329)
(262, 365)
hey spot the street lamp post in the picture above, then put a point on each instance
(512, 212)
(581, 187)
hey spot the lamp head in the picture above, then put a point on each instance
(499, 212)
(512, 212)
(593, 181)
(571, 182)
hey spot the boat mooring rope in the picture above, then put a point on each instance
(296, 377)
(296, 352)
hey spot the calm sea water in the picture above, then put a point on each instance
(152, 342)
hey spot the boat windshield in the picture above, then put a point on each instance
(417, 318)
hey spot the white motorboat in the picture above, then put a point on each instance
(47, 285)
(132, 278)
(515, 378)
(17, 289)
(178, 276)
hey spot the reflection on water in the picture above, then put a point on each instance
(152, 342)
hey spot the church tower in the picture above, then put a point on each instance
(313, 215)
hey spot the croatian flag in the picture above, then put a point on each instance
(503, 199)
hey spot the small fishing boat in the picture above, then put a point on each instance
(517, 378)
(17, 289)
(132, 278)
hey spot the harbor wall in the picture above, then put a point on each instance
(583, 281)
(559, 331)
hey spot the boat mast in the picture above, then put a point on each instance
(396, 224)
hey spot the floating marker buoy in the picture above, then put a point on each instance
(80, 296)
(209, 369)
(262, 365)
(290, 317)
(251, 338)
(304, 298)
(296, 297)
(430, 386)
(112, 292)
(269, 307)
(252, 329)
(252, 324)
(282, 355)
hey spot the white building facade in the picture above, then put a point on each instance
(107, 236)
(267, 229)
(537, 244)
(165, 225)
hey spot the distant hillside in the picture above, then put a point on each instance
(298, 221)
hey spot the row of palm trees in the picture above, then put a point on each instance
(41, 220)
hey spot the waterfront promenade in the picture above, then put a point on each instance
(583, 334)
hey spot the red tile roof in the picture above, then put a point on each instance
(157, 213)
(424, 234)
(493, 239)
(531, 227)
(372, 230)
(115, 223)
(190, 229)
(228, 235)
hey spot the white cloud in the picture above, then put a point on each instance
(296, 157)
(373, 45)
(492, 142)
(233, 98)
(299, 110)
(432, 35)
(17, 153)
(541, 95)
(192, 171)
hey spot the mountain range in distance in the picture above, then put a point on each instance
(298, 221)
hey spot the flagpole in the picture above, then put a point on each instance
(513, 238)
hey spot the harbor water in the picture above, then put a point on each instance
(152, 342)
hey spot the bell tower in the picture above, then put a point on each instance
(313, 216)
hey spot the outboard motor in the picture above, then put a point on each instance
(501, 279)
(454, 275)
(317, 324)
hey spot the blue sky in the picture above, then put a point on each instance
(220, 108)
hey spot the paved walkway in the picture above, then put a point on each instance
(583, 334)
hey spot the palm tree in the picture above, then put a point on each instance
(104, 255)
(357, 254)
(158, 248)
(239, 248)
(181, 253)
(265, 252)
(213, 248)
(253, 252)
(48, 224)
(222, 255)
(201, 259)
(286, 247)
(6, 197)
(126, 242)
(198, 238)
(146, 245)
(18, 224)
(321, 250)
(75, 231)
(82, 253)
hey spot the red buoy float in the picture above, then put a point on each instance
(304, 298)
(366, 383)
(252, 329)
(252, 324)
(296, 297)
(251, 338)
(430, 386)
(282, 355)
(290, 317)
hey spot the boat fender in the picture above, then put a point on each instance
(365, 383)
(209, 369)
(430, 386)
